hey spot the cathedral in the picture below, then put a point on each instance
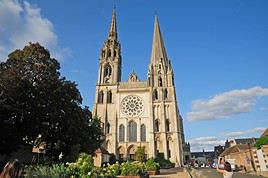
(138, 113)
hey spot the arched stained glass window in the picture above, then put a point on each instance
(121, 133)
(143, 133)
(132, 131)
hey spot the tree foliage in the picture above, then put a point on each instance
(38, 105)
(261, 141)
(140, 154)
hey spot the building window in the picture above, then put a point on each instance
(132, 133)
(155, 94)
(109, 53)
(115, 53)
(168, 148)
(165, 94)
(109, 96)
(107, 70)
(156, 125)
(121, 133)
(143, 133)
(160, 84)
(107, 128)
(100, 97)
(167, 125)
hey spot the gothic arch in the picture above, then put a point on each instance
(121, 133)
(143, 133)
(131, 152)
(121, 150)
(132, 149)
(132, 131)
(107, 70)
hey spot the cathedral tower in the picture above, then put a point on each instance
(168, 130)
(110, 57)
(138, 113)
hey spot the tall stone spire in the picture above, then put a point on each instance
(158, 49)
(110, 57)
(113, 30)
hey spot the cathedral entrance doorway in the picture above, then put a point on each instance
(131, 152)
(121, 153)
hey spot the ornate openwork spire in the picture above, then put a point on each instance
(113, 30)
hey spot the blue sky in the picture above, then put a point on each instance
(218, 50)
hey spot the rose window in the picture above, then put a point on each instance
(132, 106)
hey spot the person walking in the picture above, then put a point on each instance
(227, 170)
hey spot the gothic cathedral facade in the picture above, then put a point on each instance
(137, 113)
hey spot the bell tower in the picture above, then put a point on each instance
(166, 118)
(110, 57)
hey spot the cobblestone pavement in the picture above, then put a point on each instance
(172, 173)
(212, 173)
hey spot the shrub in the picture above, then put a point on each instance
(140, 154)
(83, 165)
(163, 162)
(114, 169)
(134, 168)
(55, 170)
(152, 165)
(109, 171)
(261, 141)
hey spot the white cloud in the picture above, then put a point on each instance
(21, 23)
(206, 143)
(226, 104)
(257, 130)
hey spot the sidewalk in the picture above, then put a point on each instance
(172, 173)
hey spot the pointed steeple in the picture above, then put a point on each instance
(158, 49)
(113, 30)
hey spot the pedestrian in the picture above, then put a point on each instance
(227, 170)
(13, 169)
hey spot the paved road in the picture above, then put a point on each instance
(212, 173)
(172, 173)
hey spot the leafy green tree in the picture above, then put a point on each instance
(261, 141)
(140, 154)
(37, 105)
